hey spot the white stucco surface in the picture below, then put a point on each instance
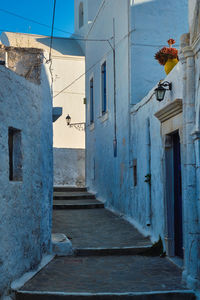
(25, 206)
(67, 75)
(69, 167)
(68, 64)
(152, 23)
(139, 198)
(141, 29)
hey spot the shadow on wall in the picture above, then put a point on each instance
(63, 45)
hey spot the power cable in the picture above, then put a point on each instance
(67, 38)
(33, 21)
(127, 35)
(96, 17)
(52, 29)
(50, 48)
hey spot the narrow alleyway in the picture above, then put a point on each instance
(112, 259)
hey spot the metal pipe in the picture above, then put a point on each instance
(148, 172)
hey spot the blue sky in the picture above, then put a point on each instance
(40, 11)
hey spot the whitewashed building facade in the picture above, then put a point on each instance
(68, 63)
(142, 156)
(26, 154)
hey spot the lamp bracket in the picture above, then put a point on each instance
(78, 126)
(166, 84)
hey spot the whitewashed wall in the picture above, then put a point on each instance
(136, 73)
(139, 199)
(25, 207)
(69, 167)
(152, 23)
(68, 64)
(101, 164)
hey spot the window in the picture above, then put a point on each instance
(103, 88)
(91, 101)
(15, 154)
(81, 15)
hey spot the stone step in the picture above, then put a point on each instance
(72, 195)
(172, 295)
(78, 204)
(131, 250)
(69, 189)
(107, 277)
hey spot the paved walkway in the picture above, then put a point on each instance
(106, 276)
(118, 274)
(96, 228)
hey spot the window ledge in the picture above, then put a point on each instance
(104, 117)
(91, 126)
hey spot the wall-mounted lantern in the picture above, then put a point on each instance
(161, 89)
(68, 120)
(79, 126)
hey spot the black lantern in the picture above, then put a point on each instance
(79, 126)
(68, 120)
(161, 89)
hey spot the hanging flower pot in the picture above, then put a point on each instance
(170, 64)
(168, 56)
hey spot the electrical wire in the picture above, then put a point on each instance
(52, 29)
(67, 38)
(34, 21)
(127, 35)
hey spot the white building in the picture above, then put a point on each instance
(142, 156)
(26, 154)
(68, 64)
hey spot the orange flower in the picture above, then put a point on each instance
(171, 42)
(166, 53)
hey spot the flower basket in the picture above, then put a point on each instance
(168, 56)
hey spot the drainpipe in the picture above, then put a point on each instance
(148, 172)
(115, 102)
(189, 195)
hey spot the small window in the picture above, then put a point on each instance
(81, 15)
(103, 88)
(135, 172)
(15, 154)
(91, 101)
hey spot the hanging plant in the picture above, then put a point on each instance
(168, 56)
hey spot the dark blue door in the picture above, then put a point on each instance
(178, 227)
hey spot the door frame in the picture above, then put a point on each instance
(169, 193)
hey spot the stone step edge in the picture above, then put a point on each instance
(103, 251)
(74, 197)
(188, 295)
(20, 282)
(78, 206)
(69, 189)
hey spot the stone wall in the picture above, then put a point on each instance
(25, 205)
(69, 167)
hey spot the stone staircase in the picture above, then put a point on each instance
(111, 260)
(72, 198)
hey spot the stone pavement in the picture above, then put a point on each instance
(103, 275)
(96, 228)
